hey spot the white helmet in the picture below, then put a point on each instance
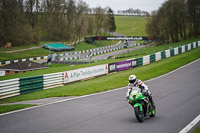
(132, 79)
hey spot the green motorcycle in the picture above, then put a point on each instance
(141, 104)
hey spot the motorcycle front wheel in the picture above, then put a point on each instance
(139, 114)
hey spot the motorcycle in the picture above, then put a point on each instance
(141, 104)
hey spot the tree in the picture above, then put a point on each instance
(111, 20)
(81, 21)
(194, 17)
(99, 19)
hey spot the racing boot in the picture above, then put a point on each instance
(152, 103)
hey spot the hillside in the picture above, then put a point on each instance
(131, 25)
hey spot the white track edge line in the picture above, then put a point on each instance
(190, 125)
(94, 93)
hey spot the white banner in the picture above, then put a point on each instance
(84, 73)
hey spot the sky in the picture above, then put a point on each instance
(145, 5)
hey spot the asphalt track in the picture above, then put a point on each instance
(105, 56)
(176, 96)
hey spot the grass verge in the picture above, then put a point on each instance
(131, 25)
(151, 50)
(8, 108)
(197, 130)
(63, 67)
(43, 52)
(112, 81)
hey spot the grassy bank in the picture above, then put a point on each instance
(131, 25)
(84, 46)
(137, 53)
(8, 108)
(114, 80)
(127, 25)
(151, 50)
(197, 130)
(43, 52)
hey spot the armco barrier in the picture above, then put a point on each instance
(183, 49)
(192, 46)
(152, 58)
(189, 46)
(175, 51)
(167, 53)
(31, 84)
(186, 48)
(146, 60)
(172, 52)
(9, 88)
(64, 54)
(179, 50)
(21, 60)
(18, 86)
(163, 55)
(53, 80)
(158, 56)
(139, 61)
(102, 50)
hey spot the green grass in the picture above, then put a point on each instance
(8, 108)
(127, 25)
(114, 80)
(151, 50)
(63, 67)
(197, 130)
(43, 52)
(131, 25)
(84, 46)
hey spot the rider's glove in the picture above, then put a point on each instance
(144, 92)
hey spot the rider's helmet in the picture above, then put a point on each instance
(132, 79)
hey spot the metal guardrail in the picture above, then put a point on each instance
(9, 88)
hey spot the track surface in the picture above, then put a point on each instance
(176, 96)
(105, 56)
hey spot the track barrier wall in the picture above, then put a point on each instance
(19, 86)
(9, 88)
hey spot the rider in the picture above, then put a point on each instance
(134, 82)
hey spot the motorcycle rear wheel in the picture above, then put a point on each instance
(139, 114)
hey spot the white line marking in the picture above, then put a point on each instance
(69, 99)
(190, 125)
(94, 93)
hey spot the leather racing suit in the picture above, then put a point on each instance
(144, 90)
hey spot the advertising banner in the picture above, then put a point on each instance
(123, 65)
(130, 38)
(133, 63)
(112, 67)
(84, 73)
